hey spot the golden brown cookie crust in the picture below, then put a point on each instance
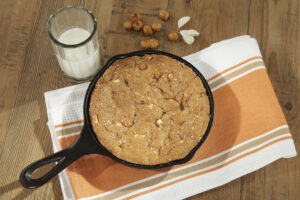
(149, 110)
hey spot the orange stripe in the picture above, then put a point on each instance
(67, 124)
(209, 170)
(235, 66)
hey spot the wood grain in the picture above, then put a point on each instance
(275, 24)
(215, 20)
(28, 68)
(15, 28)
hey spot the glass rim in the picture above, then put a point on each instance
(71, 45)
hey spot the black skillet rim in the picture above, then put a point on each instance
(88, 125)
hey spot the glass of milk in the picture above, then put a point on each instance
(73, 34)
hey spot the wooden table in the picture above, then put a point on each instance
(28, 68)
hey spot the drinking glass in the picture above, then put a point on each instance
(73, 34)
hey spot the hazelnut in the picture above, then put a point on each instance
(142, 66)
(164, 15)
(173, 36)
(154, 43)
(150, 43)
(127, 25)
(145, 44)
(135, 17)
(137, 25)
(156, 26)
(147, 30)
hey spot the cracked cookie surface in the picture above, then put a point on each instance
(149, 110)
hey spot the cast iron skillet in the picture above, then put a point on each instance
(87, 142)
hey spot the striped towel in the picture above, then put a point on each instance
(249, 132)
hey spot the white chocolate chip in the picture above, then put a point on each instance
(95, 119)
(107, 123)
(183, 20)
(118, 124)
(159, 122)
(139, 136)
(117, 138)
(137, 93)
(167, 141)
(155, 152)
(116, 81)
(150, 106)
(170, 76)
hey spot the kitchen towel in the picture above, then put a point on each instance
(249, 131)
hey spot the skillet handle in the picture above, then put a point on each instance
(83, 146)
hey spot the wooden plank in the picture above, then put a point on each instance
(122, 41)
(216, 20)
(27, 135)
(208, 18)
(15, 28)
(275, 24)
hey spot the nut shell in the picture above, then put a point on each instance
(137, 25)
(156, 26)
(173, 36)
(149, 43)
(135, 17)
(127, 25)
(147, 30)
(154, 43)
(145, 44)
(164, 15)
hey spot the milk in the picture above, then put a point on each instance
(79, 62)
